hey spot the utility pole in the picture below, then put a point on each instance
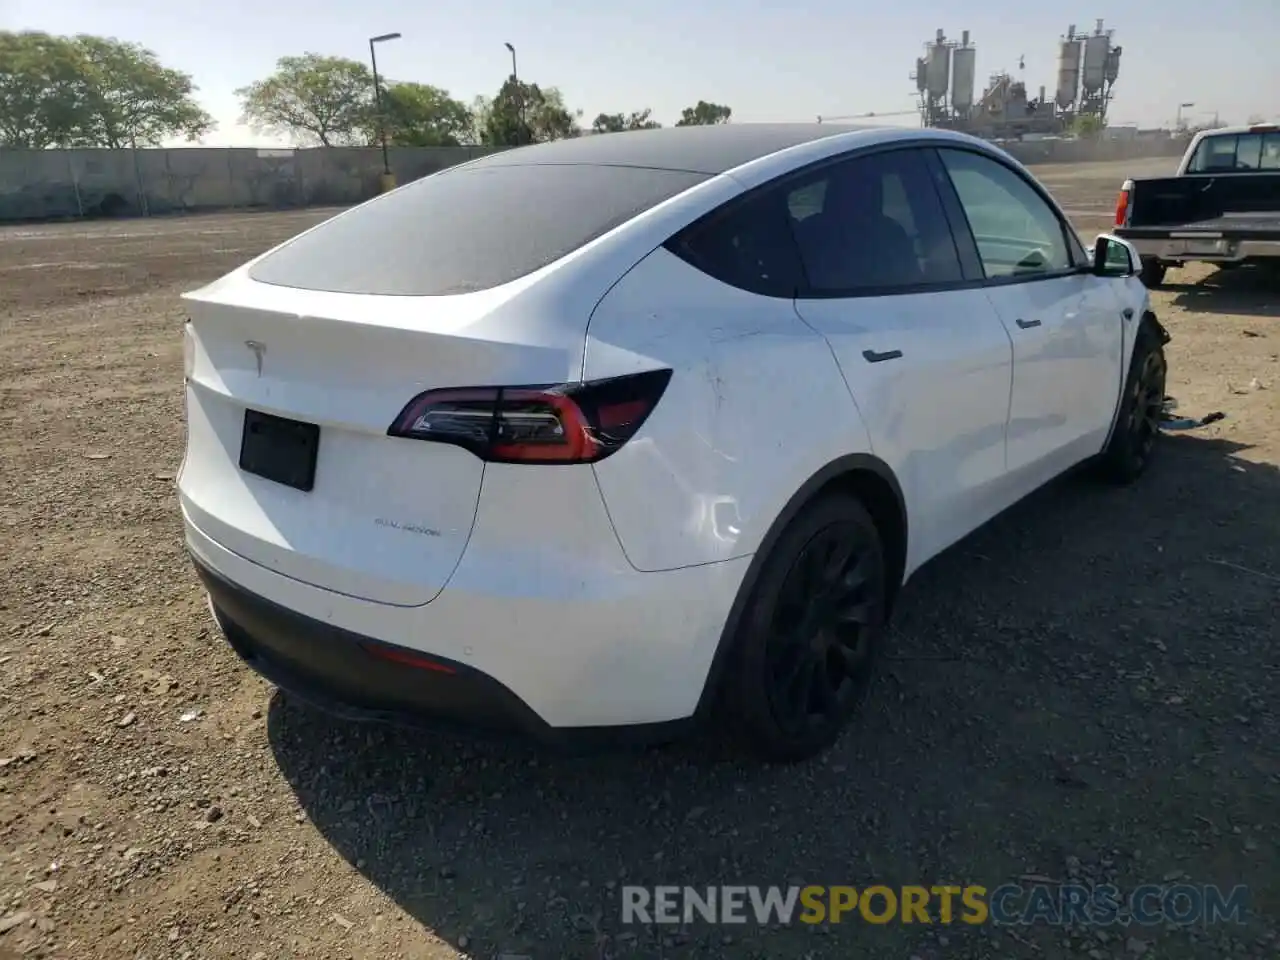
(515, 80)
(1182, 106)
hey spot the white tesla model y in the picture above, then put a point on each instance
(607, 435)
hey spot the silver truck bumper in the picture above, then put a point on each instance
(1202, 248)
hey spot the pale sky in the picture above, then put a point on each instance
(781, 62)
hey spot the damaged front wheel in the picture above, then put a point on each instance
(1137, 429)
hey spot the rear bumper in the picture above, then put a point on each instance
(1206, 248)
(537, 642)
(360, 678)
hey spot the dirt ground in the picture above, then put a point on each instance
(1085, 689)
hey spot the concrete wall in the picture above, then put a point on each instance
(45, 184)
(48, 184)
(1094, 151)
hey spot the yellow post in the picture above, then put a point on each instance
(386, 182)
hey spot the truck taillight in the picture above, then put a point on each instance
(1122, 203)
(560, 424)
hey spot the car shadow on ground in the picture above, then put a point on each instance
(1083, 689)
(1250, 291)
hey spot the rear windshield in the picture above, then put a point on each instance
(1237, 153)
(468, 229)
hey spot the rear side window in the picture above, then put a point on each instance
(468, 229)
(865, 225)
(747, 244)
(1270, 152)
(873, 223)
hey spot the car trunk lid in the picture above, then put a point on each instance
(384, 518)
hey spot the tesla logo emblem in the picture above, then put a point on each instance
(259, 350)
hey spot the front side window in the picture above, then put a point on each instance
(873, 223)
(1017, 233)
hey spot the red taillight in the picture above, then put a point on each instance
(563, 423)
(1122, 205)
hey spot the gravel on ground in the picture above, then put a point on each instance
(1086, 689)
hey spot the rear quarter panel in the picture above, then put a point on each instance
(755, 407)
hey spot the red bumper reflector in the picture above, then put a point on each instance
(407, 659)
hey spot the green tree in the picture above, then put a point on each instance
(420, 115)
(523, 113)
(703, 114)
(617, 122)
(93, 92)
(550, 118)
(40, 90)
(313, 99)
(1088, 125)
(131, 99)
(502, 123)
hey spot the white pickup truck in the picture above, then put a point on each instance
(1222, 206)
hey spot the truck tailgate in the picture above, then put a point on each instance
(1239, 203)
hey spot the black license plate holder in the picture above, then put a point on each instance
(280, 449)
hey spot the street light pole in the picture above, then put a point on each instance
(377, 98)
(1182, 106)
(515, 79)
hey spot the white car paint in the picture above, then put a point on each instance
(676, 494)
(598, 593)
(937, 415)
(1065, 371)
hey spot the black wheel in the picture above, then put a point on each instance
(1153, 272)
(1137, 427)
(807, 645)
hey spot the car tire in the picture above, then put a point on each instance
(808, 643)
(1153, 272)
(1137, 429)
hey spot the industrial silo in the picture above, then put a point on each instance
(1097, 54)
(963, 68)
(1113, 65)
(937, 66)
(1069, 56)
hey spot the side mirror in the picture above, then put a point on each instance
(1113, 257)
